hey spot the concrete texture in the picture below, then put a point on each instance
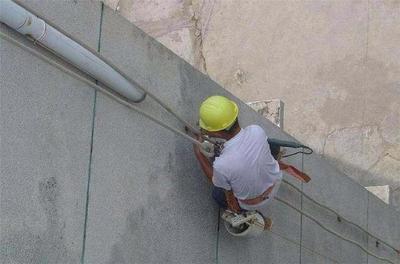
(46, 132)
(310, 257)
(272, 109)
(83, 174)
(380, 223)
(156, 209)
(267, 248)
(334, 64)
(344, 196)
(80, 19)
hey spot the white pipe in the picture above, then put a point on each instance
(29, 24)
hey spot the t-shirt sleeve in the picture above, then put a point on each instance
(259, 131)
(220, 180)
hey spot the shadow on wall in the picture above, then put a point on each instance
(46, 247)
(154, 230)
(354, 113)
(367, 178)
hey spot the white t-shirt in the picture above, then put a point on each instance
(246, 165)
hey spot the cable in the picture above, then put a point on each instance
(341, 217)
(89, 82)
(302, 246)
(309, 152)
(124, 102)
(333, 232)
(95, 52)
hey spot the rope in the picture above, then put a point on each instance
(89, 82)
(128, 104)
(114, 67)
(341, 217)
(333, 232)
(302, 246)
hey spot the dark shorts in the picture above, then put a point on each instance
(219, 196)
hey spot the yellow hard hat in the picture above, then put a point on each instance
(217, 113)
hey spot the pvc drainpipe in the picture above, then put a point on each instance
(30, 25)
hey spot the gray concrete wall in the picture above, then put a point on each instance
(86, 180)
(326, 60)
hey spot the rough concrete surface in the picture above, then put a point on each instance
(272, 109)
(45, 144)
(158, 207)
(86, 180)
(335, 65)
(380, 223)
(344, 196)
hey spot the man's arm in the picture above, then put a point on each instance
(207, 168)
(232, 202)
(205, 164)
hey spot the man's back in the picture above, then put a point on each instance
(246, 165)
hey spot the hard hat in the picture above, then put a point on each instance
(217, 113)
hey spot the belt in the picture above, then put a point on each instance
(260, 198)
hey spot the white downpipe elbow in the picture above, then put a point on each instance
(29, 24)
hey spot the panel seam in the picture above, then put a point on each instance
(301, 207)
(367, 225)
(217, 244)
(91, 148)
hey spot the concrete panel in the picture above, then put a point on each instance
(381, 251)
(286, 220)
(343, 195)
(159, 206)
(80, 19)
(310, 257)
(149, 202)
(332, 246)
(46, 121)
(182, 87)
(267, 248)
(384, 223)
(333, 189)
(287, 192)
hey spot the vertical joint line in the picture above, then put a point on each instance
(301, 207)
(367, 224)
(217, 246)
(91, 148)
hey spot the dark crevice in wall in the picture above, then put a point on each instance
(91, 147)
(367, 225)
(301, 208)
(217, 246)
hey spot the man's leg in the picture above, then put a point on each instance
(219, 196)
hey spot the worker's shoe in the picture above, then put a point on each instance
(268, 223)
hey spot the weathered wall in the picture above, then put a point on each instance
(335, 64)
(84, 179)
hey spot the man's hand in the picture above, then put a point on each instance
(205, 164)
(196, 147)
(232, 202)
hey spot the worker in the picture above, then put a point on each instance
(245, 175)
